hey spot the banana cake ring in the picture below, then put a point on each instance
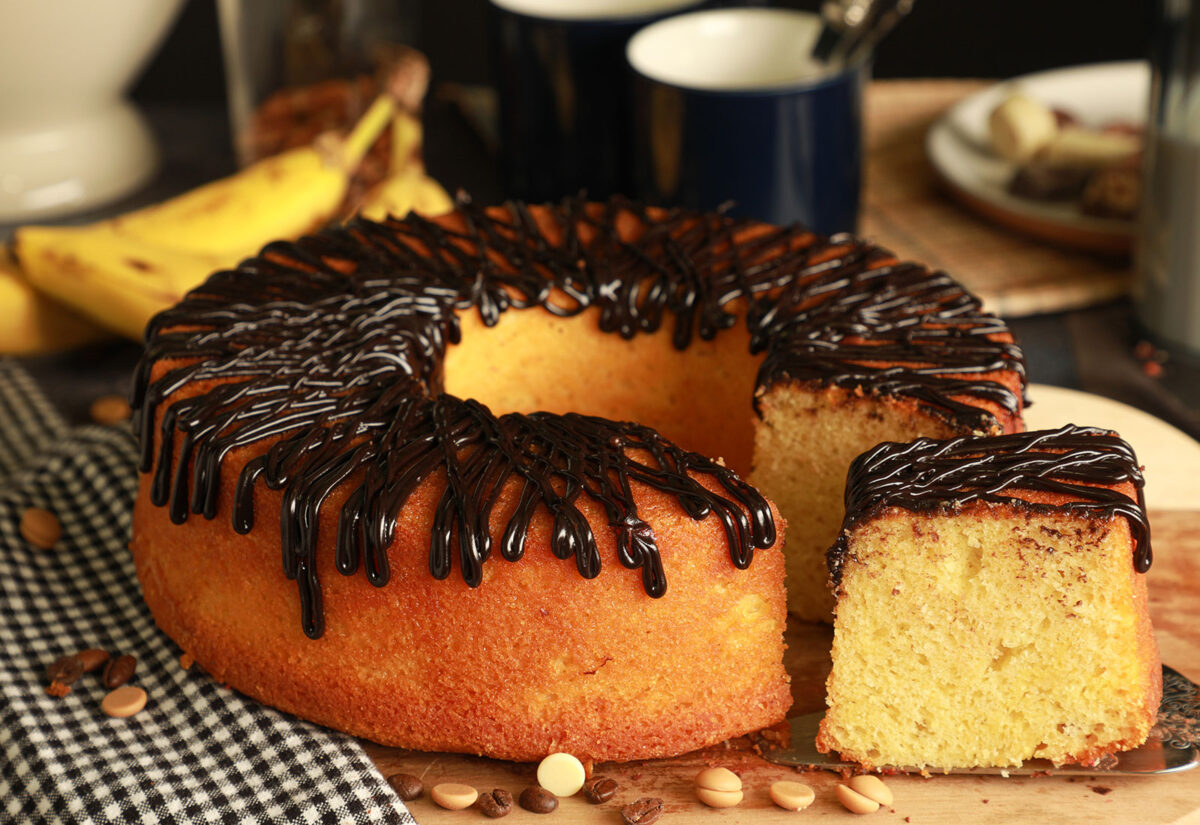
(430, 420)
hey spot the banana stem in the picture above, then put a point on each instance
(368, 129)
(406, 85)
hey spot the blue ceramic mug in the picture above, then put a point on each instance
(565, 100)
(731, 108)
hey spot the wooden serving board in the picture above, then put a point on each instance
(1174, 798)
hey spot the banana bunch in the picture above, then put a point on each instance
(35, 323)
(121, 271)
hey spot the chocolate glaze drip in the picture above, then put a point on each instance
(928, 475)
(323, 359)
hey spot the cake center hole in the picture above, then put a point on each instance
(700, 398)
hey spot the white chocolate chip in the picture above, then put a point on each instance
(454, 797)
(792, 796)
(855, 802)
(872, 787)
(561, 774)
(123, 701)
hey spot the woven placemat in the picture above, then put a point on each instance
(905, 210)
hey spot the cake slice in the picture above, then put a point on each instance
(992, 603)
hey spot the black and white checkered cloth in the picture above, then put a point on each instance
(198, 753)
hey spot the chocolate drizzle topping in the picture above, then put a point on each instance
(322, 360)
(1082, 463)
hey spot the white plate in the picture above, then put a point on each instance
(1171, 457)
(959, 149)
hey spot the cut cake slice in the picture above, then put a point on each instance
(992, 604)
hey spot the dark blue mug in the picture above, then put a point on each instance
(731, 109)
(565, 97)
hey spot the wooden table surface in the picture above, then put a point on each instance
(1175, 609)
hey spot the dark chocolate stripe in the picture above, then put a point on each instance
(928, 475)
(326, 356)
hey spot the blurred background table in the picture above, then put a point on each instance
(1067, 308)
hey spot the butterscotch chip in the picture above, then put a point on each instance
(561, 774)
(452, 796)
(792, 796)
(57, 689)
(855, 802)
(92, 659)
(110, 409)
(719, 799)
(872, 788)
(719, 787)
(40, 528)
(124, 701)
(718, 779)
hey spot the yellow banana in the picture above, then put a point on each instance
(409, 190)
(118, 281)
(123, 270)
(283, 196)
(34, 323)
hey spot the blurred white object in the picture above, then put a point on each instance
(68, 138)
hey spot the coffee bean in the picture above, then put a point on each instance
(40, 528)
(496, 804)
(65, 670)
(538, 800)
(599, 789)
(92, 659)
(406, 786)
(118, 671)
(645, 811)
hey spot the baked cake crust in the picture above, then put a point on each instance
(299, 399)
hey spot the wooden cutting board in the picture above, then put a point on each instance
(1175, 798)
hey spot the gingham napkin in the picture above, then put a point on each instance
(198, 753)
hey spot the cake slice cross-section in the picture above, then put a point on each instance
(992, 603)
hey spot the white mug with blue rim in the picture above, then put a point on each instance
(731, 109)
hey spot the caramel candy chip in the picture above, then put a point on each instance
(453, 797)
(561, 774)
(792, 796)
(110, 409)
(719, 787)
(855, 802)
(124, 701)
(40, 528)
(872, 788)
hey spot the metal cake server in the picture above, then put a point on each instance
(1173, 745)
